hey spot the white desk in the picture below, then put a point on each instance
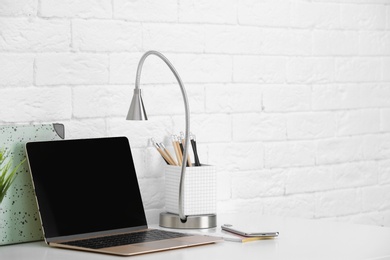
(298, 239)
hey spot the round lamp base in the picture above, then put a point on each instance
(169, 220)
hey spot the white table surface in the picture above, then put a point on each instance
(298, 239)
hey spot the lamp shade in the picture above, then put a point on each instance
(137, 109)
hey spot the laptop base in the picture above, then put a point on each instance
(170, 220)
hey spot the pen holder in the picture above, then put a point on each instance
(200, 192)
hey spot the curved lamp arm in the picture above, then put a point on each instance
(136, 112)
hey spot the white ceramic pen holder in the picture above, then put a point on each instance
(200, 190)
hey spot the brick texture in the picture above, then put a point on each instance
(290, 99)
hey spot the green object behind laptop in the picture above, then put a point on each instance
(19, 219)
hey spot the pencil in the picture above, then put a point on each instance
(176, 147)
(182, 142)
(189, 163)
(162, 153)
(173, 162)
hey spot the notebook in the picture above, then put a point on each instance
(89, 199)
(19, 218)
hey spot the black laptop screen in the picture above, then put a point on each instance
(85, 185)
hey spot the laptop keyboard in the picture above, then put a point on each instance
(125, 239)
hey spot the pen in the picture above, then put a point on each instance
(193, 144)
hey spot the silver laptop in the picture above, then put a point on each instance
(89, 199)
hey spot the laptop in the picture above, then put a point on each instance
(89, 199)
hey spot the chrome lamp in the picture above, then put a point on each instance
(137, 112)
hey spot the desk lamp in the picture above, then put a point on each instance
(137, 112)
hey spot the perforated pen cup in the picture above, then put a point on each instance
(200, 190)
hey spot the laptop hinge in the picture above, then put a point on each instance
(94, 234)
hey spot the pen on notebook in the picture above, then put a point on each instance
(193, 144)
(173, 162)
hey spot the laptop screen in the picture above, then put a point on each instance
(85, 185)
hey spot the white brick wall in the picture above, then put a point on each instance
(290, 99)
